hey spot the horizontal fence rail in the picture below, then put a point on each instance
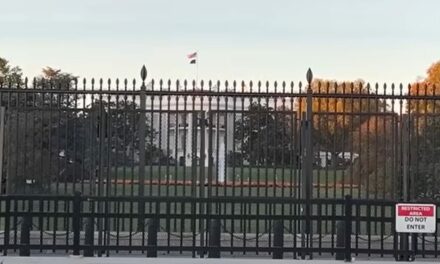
(201, 226)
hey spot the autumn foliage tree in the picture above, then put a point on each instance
(375, 170)
(338, 110)
(424, 110)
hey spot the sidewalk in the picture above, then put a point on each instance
(135, 260)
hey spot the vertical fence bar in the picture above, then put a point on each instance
(404, 246)
(25, 235)
(153, 225)
(76, 222)
(7, 225)
(167, 170)
(214, 238)
(202, 165)
(340, 240)
(210, 135)
(89, 238)
(348, 219)
(2, 133)
(278, 239)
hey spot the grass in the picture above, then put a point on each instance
(245, 173)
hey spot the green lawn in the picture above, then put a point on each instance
(233, 173)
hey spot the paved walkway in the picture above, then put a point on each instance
(133, 260)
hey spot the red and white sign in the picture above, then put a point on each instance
(415, 218)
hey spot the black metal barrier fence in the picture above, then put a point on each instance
(206, 227)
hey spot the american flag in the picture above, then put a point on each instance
(192, 57)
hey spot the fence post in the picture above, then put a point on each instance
(405, 192)
(340, 240)
(7, 223)
(214, 239)
(76, 222)
(2, 130)
(307, 169)
(348, 219)
(89, 238)
(25, 236)
(278, 239)
(153, 225)
(142, 134)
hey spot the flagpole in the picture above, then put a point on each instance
(197, 68)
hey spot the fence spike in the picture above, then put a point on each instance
(309, 76)
(143, 73)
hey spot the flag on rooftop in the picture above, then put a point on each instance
(192, 58)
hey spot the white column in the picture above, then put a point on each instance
(221, 163)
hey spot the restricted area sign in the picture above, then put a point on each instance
(415, 218)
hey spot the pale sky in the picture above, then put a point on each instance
(375, 40)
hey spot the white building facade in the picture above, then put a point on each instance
(188, 130)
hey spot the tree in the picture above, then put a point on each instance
(121, 121)
(424, 143)
(37, 131)
(335, 117)
(9, 75)
(378, 139)
(63, 79)
(265, 135)
(375, 141)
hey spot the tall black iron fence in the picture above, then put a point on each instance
(218, 140)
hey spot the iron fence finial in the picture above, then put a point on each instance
(309, 76)
(143, 73)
